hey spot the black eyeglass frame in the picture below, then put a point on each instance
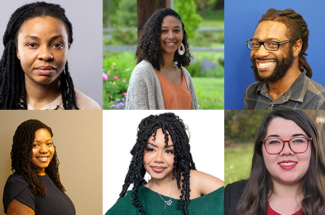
(287, 141)
(263, 43)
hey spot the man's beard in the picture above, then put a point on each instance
(279, 71)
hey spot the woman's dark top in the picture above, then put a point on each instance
(233, 192)
(54, 203)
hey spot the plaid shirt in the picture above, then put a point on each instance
(304, 94)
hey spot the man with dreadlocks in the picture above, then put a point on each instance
(35, 186)
(280, 68)
(34, 70)
(162, 150)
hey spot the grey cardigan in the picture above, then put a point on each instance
(144, 92)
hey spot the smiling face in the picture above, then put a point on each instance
(43, 150)
(286, 167)
(158, 159)
(171, 35)
(42, 48)
(271, 66)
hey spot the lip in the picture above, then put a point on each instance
(158, 169)
(43, 158)
(265, 64)
(45, 70)
(288, 164)
(170, 44)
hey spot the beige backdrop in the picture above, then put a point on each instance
(78, 139)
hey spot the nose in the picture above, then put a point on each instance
(43, 148)
(45, 53)
(261, 52)
(286, 149)
(159, 157)
(170, 34)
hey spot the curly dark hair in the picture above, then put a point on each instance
(171, 125)
(21, 154)
(296, 28)
(259, 185)
(149, 47)
(12, 78)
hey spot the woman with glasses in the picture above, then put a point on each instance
(287, 174)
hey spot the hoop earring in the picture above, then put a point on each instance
(181, 52)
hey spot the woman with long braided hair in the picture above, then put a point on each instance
(162, 150)
(34, 72)
(35, 186)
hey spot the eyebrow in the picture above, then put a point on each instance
(37, 38)
(157, 146)
(268, 39)
(174, 26)
(41, 141)
(294, 135)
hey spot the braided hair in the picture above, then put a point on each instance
(149, 47)
(12, 78)
(174, 127)
(297, 28)
(21, 154)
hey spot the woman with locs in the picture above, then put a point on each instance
(159, 80)
(162, 150)
(35, 186)
(34, 72)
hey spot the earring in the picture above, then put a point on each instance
(181, 52)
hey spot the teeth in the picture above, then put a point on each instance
(267, 64)
(42, 158)
(288, 164)
(170, 44)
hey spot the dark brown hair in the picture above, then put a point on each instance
(21, 154)
(259, 186)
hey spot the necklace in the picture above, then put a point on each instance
(169, 202)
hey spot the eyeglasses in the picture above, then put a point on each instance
(298, 145)
(268, 45)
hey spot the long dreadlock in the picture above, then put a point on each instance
(171, 125)
(12, 78)
(21, 154)
(297, 28)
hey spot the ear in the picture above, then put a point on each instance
(296, 48)
(68, 45)
(18, 56)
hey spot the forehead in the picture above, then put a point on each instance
(171, 20)
(41, 26)
(271, 30)
(160, 139)
(284, 128)
(42, 133)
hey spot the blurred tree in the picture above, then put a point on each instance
(202, 5)
(187, 10)
(109, 12)
(127, 13)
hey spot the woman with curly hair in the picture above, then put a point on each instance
(35, 186)
(288, 170)
(159, 81)
(162, 150)
(34, 71)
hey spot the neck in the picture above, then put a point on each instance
(168, 61)
(38, 95)
(286, 198)
(277, 89)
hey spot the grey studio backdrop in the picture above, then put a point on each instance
(77, 136)
(85, 53)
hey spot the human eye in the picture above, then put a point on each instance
(299, 140)
(49, 144)
(273, 142)
(272, 44)
(32, 45)
(169, 151)
(150, 149)
(35, 144)
(164, 31)
(58, 45)
(255, 44)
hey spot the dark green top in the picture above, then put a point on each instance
(210, 204)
